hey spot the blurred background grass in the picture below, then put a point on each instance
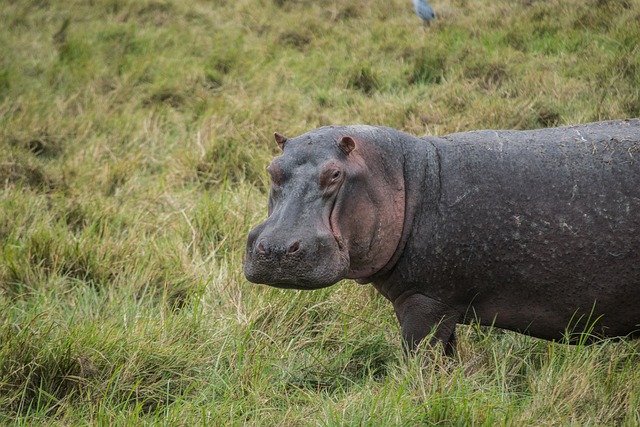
(134, 137)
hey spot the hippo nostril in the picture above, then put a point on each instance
(261, 248)
(293, 248)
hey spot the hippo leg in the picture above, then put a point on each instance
(419, 315)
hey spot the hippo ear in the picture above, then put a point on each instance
(347, 144)
(281, 140)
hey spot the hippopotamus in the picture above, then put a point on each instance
(534, 231)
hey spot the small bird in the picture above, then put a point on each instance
(424, 11)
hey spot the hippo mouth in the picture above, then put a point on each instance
(305, 274)
(313, 261)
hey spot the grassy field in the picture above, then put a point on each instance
(134, 137)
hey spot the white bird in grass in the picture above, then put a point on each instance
(424, 11)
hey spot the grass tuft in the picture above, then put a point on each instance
(364, 79)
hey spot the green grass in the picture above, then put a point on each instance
(134, 137)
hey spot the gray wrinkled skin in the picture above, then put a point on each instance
(532, 231)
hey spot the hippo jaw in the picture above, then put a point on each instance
(309, 262)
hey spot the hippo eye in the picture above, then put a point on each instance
(330, 175)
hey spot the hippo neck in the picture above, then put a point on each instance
(421, 168)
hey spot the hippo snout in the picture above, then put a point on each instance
(276, 258)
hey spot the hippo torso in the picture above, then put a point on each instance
(532, 231)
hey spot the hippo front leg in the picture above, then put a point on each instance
(419, 315)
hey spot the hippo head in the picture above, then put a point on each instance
(336, 210)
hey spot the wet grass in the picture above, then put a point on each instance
(134, 137)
